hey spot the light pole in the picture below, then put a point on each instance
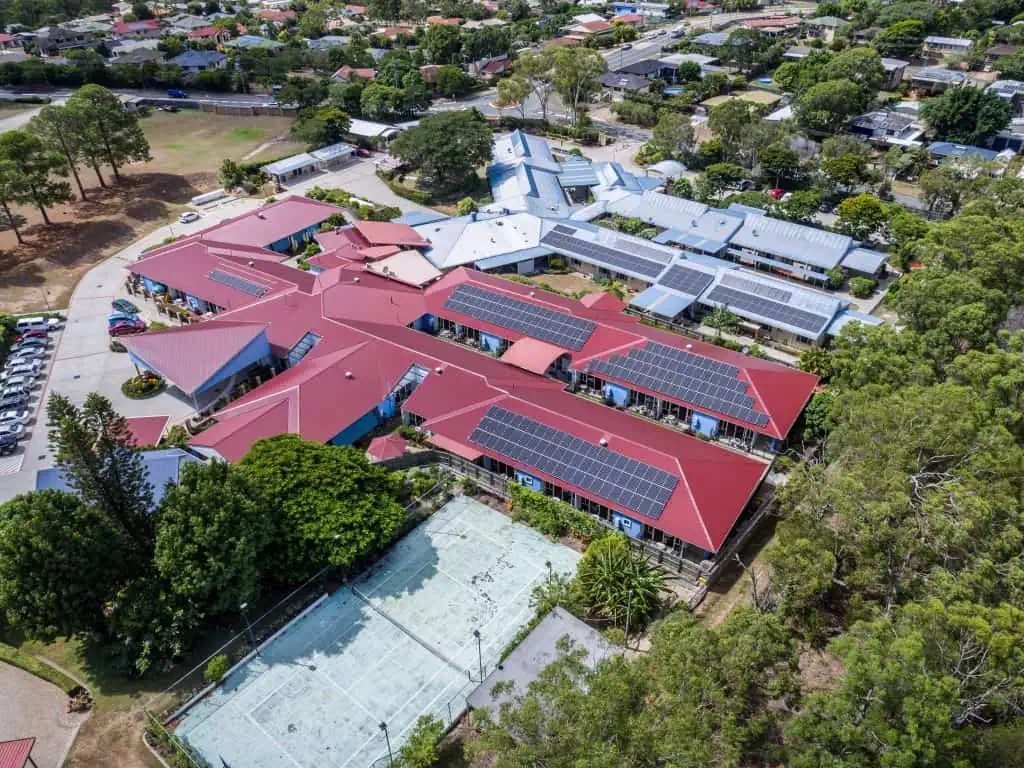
(479, 653)
(252, 636)
(384, 727)
(550, 574)
(629, 605)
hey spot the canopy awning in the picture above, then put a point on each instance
(532, 355)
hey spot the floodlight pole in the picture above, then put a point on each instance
(384, 727)
(252, 636)
(550, 574)
(479, 653)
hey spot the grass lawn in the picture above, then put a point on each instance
(187, 147)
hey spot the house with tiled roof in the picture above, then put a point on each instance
(346, 74)
(145, 29)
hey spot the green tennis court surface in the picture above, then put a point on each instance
(394, 644)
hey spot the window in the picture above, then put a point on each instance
(301, 349)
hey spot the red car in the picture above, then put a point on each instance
(125, 329)
(35, 333)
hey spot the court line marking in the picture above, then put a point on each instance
(273, 740)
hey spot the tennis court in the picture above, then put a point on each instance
(397, 642)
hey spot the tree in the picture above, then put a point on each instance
(60, 561)
(12, 185)
(323, 126)
(780, 164)
(729, 121)
(845, 172)
(452, 82)
(910, 161)
(862, 216)
(230, 174)
(513, 91)
(673, 134)
(94, 450)
(446, 148)
(947, 187)
(109, 127)
(304, 92)
(442, 43)
(801, 206)
(716, 179)
(379, 101)
(902, 39)
(466, 206)
(57, 128)
(617, 584)
(347, 97)
(862, 66)
(535, 69)
(141, 11)
(575, 76)
(420, 748)
(312, 23)
(1011, 67)
(37, 172)
(335, 507)
(966, 115)
(212, 529)
(721, 319)
(415, 93)
(828, 105)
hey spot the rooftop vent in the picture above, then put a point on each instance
(754, 232)
(439, 370)
(252, 263)
(348, 374)
(355, 279)
(533, 293)
(604, 442)
(689, 346)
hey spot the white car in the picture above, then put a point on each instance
(17, 431)
(188, 217)
(15, 416)
(20, 382)
(18, 368)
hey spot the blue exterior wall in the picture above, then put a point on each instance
(285, 243)
(153, 286)
(706, 425)
(489, 342)
(387, 408)
(531, 482)
(356, 429)
(632, 528)
(426, 323)
(619, 395)
(256, 350)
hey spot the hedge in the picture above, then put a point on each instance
(34, 666)
(553, 517)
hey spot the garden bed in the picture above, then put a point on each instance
(142, 386)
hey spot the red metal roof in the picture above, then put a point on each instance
(532, 355)
(387, 447)
(497, 66)
(629, 18)
(188, 357)
(389, 233)
(147, 430)
(272, 222)
(206, 32)
(379, 252)
(15, 753)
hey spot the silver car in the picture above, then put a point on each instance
(15, 368)
(27, 354)
(16, 416)
(17, 431)
(20, 383)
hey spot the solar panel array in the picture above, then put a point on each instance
(238, 283)
(584, 249)
(522, 316)
(563, 230)
(685, 280)
(681, 375)
(773, 310)
(645, 251)
(756, 288)
(576, 462)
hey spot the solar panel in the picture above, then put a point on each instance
(603, 255)
(685, 280)
(684, 376)
(541, 323)
(563, 230)
(605, 473)
(756, 288)
(772, 310)
(644, 251)
(238, 283)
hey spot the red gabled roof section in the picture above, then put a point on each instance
(604, 301)
(387, 447)
(147, 430)
(532, 355)
(389, 233)
(189, 357)
(15, 753)
(232, 437)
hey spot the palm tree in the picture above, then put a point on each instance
(618, 584)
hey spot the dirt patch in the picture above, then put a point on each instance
(819, 671)
(733, 587)
(187, 149)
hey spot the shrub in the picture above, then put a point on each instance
(862, 287)
(217, 668)
(142, 386)
(551, 516)
(117, 346)
(836, 278)
(557, 264)
(466, 206)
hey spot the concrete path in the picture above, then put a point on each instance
(33, 707)
(360, 178)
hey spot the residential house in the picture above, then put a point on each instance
(710, 39)
(1011, 91)
(277, 17)
(883, 127)
(9, 42)
(53, 41)
(140, 56)
(946, 151)
(121, 48)
(797, 53)
(194, 62)
(347, 74)
(939, 46)
(775, 26)
(894, 72)
(327, 42)
(624, 83)
(393, 33)
(215, 35)
(585, 30)
(181, 25)
(633, 20)
(825, 27)
(251, 42)
(935, 81)
(145, 29)
(995, 52)
(452, 21)
(491, 67)
(305, 163)
(650, 11)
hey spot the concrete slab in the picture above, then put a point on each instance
(395, 643)
(34, 707)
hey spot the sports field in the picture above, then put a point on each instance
(396, 643)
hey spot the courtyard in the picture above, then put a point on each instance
(396, 642)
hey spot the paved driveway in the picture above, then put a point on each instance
(33, 707)
(360, 178)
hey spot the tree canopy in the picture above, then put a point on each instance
(446, 148)
(966, 115)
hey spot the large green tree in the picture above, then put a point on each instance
(109, 126)
(446, 148)
(828, 105)
(213, 526)
(60, 562)
(575, 76)
(56, 126)
(966, 115)
(617, 584)
(335, 507)
(902, 39)
(37, 172)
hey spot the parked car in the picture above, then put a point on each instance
(37, 324)
(8, 444)
(27, 354)
(121, 317)
(17, 431)
(9, 390)
(188, 217)
(626, 46)
(177, 93)
(14, 399)
(15, 369)
(16, 416)
(126, 329)
(123, 305)
(20, 382)
(32, 341)
(38, 333)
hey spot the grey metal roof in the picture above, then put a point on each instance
(625, 81)
(537, 651)
(803, 244)
(332, 151)
(578, 173)
(946, 149)
(198, 58)
(882, 120)
(658, 208)
(864, 260)
(1007, 89)
(827, 21)
(847, 316)
(643, 68)
(938, 75)
(954, 42)
(711, 38)
(890, 65)
(289, 164)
